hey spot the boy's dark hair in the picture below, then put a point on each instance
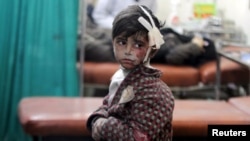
(126, 22)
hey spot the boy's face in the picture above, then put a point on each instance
(130, 52)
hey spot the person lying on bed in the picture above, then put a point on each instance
(177, 49)
(182, 50)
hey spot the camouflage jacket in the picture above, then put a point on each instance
(141, 109)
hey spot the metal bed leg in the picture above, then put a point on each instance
(218, 79)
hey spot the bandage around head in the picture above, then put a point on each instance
(154, 35)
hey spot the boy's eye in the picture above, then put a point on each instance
(137, 45)
(121, 42)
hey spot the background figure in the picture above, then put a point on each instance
(105, 10)
(179, 49)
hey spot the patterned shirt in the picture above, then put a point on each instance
(141, 109)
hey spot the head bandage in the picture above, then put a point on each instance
(154, 35)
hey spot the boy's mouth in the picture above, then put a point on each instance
(127, 61)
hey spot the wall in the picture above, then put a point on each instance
(239, 13)
(232, 10)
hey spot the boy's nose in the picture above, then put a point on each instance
(128, 49)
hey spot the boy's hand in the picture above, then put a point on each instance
(198, 41)
(97, 128)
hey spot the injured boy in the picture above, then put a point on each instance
(139, 105)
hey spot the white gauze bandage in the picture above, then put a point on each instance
(154, 35)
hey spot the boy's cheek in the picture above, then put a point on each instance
(141, 55)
